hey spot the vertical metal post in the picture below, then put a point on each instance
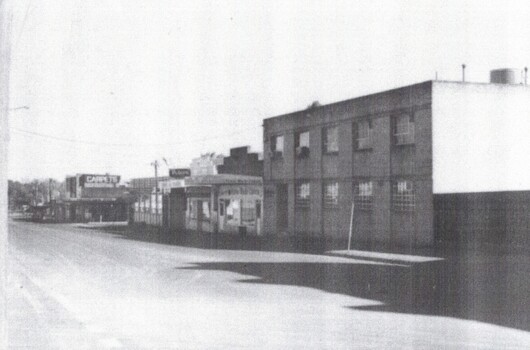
(463, 72)
(155, 164)
(351, 225)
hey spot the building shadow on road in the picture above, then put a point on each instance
(471, 288)
(488, 285)
(297, 244)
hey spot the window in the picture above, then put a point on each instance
(192, 209)
(277, 146)
(206, 210)
(364, 135)
(363, 195)
(232, 211)
(403, 130)
(258, 209)
(403, 198)
(222, 207)
(248, 211)
(302, 144)
(331, 194)
(303, 194)
(331, 140)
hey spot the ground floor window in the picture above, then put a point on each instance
(156, 204)
(331, 194)
(248, 211)
(303, 192)
(240, 211)
(199, 206)
(403, 196)
(192, 212)
(232, 211)
(206, 210)
(258, 209)
(363, 195)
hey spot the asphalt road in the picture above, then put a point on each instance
(74, 288)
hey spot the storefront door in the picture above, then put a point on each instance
(222, 208)
(199, 216)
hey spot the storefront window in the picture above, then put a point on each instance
(192, 213)
(206, 210)
(258, 209)
(248, 211)
(233, 212)
(229, 209)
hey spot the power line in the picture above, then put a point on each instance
(92, 143)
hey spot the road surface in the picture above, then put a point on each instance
(74, 288)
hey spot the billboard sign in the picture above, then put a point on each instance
(179, 173)
(90, 180)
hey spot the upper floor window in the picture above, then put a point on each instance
(403, 197)
(331, 140)
(363, 195)
(302, 144)
(303, 192)
(277, 146)
(364, 134)
(331, 194)
(403, 130)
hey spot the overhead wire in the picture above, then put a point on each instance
(121, 155)
(84, 142)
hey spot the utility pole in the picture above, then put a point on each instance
(36, 195)
(155, 165)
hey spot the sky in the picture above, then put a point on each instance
(109, 86)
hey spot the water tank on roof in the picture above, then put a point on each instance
(505, 76)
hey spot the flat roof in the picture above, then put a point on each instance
(328, 105)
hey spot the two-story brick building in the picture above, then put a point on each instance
(396, 154)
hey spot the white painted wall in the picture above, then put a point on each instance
(481, 137)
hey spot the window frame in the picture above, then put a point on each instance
(330, 201)
(325, 140)
(404, 201)
(402, 138)
(363, 201)
(273, 147)
(298, 200)
(299, 150)
(357, 140)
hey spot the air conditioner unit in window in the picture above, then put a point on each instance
(302, 152)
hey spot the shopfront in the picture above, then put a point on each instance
(230, 204)
(240, 209)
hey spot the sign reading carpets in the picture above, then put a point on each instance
(179, 173)
(89, 180)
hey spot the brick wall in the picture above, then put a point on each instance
(381, 164)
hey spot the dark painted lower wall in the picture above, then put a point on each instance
(495, 217)
(381, 224)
